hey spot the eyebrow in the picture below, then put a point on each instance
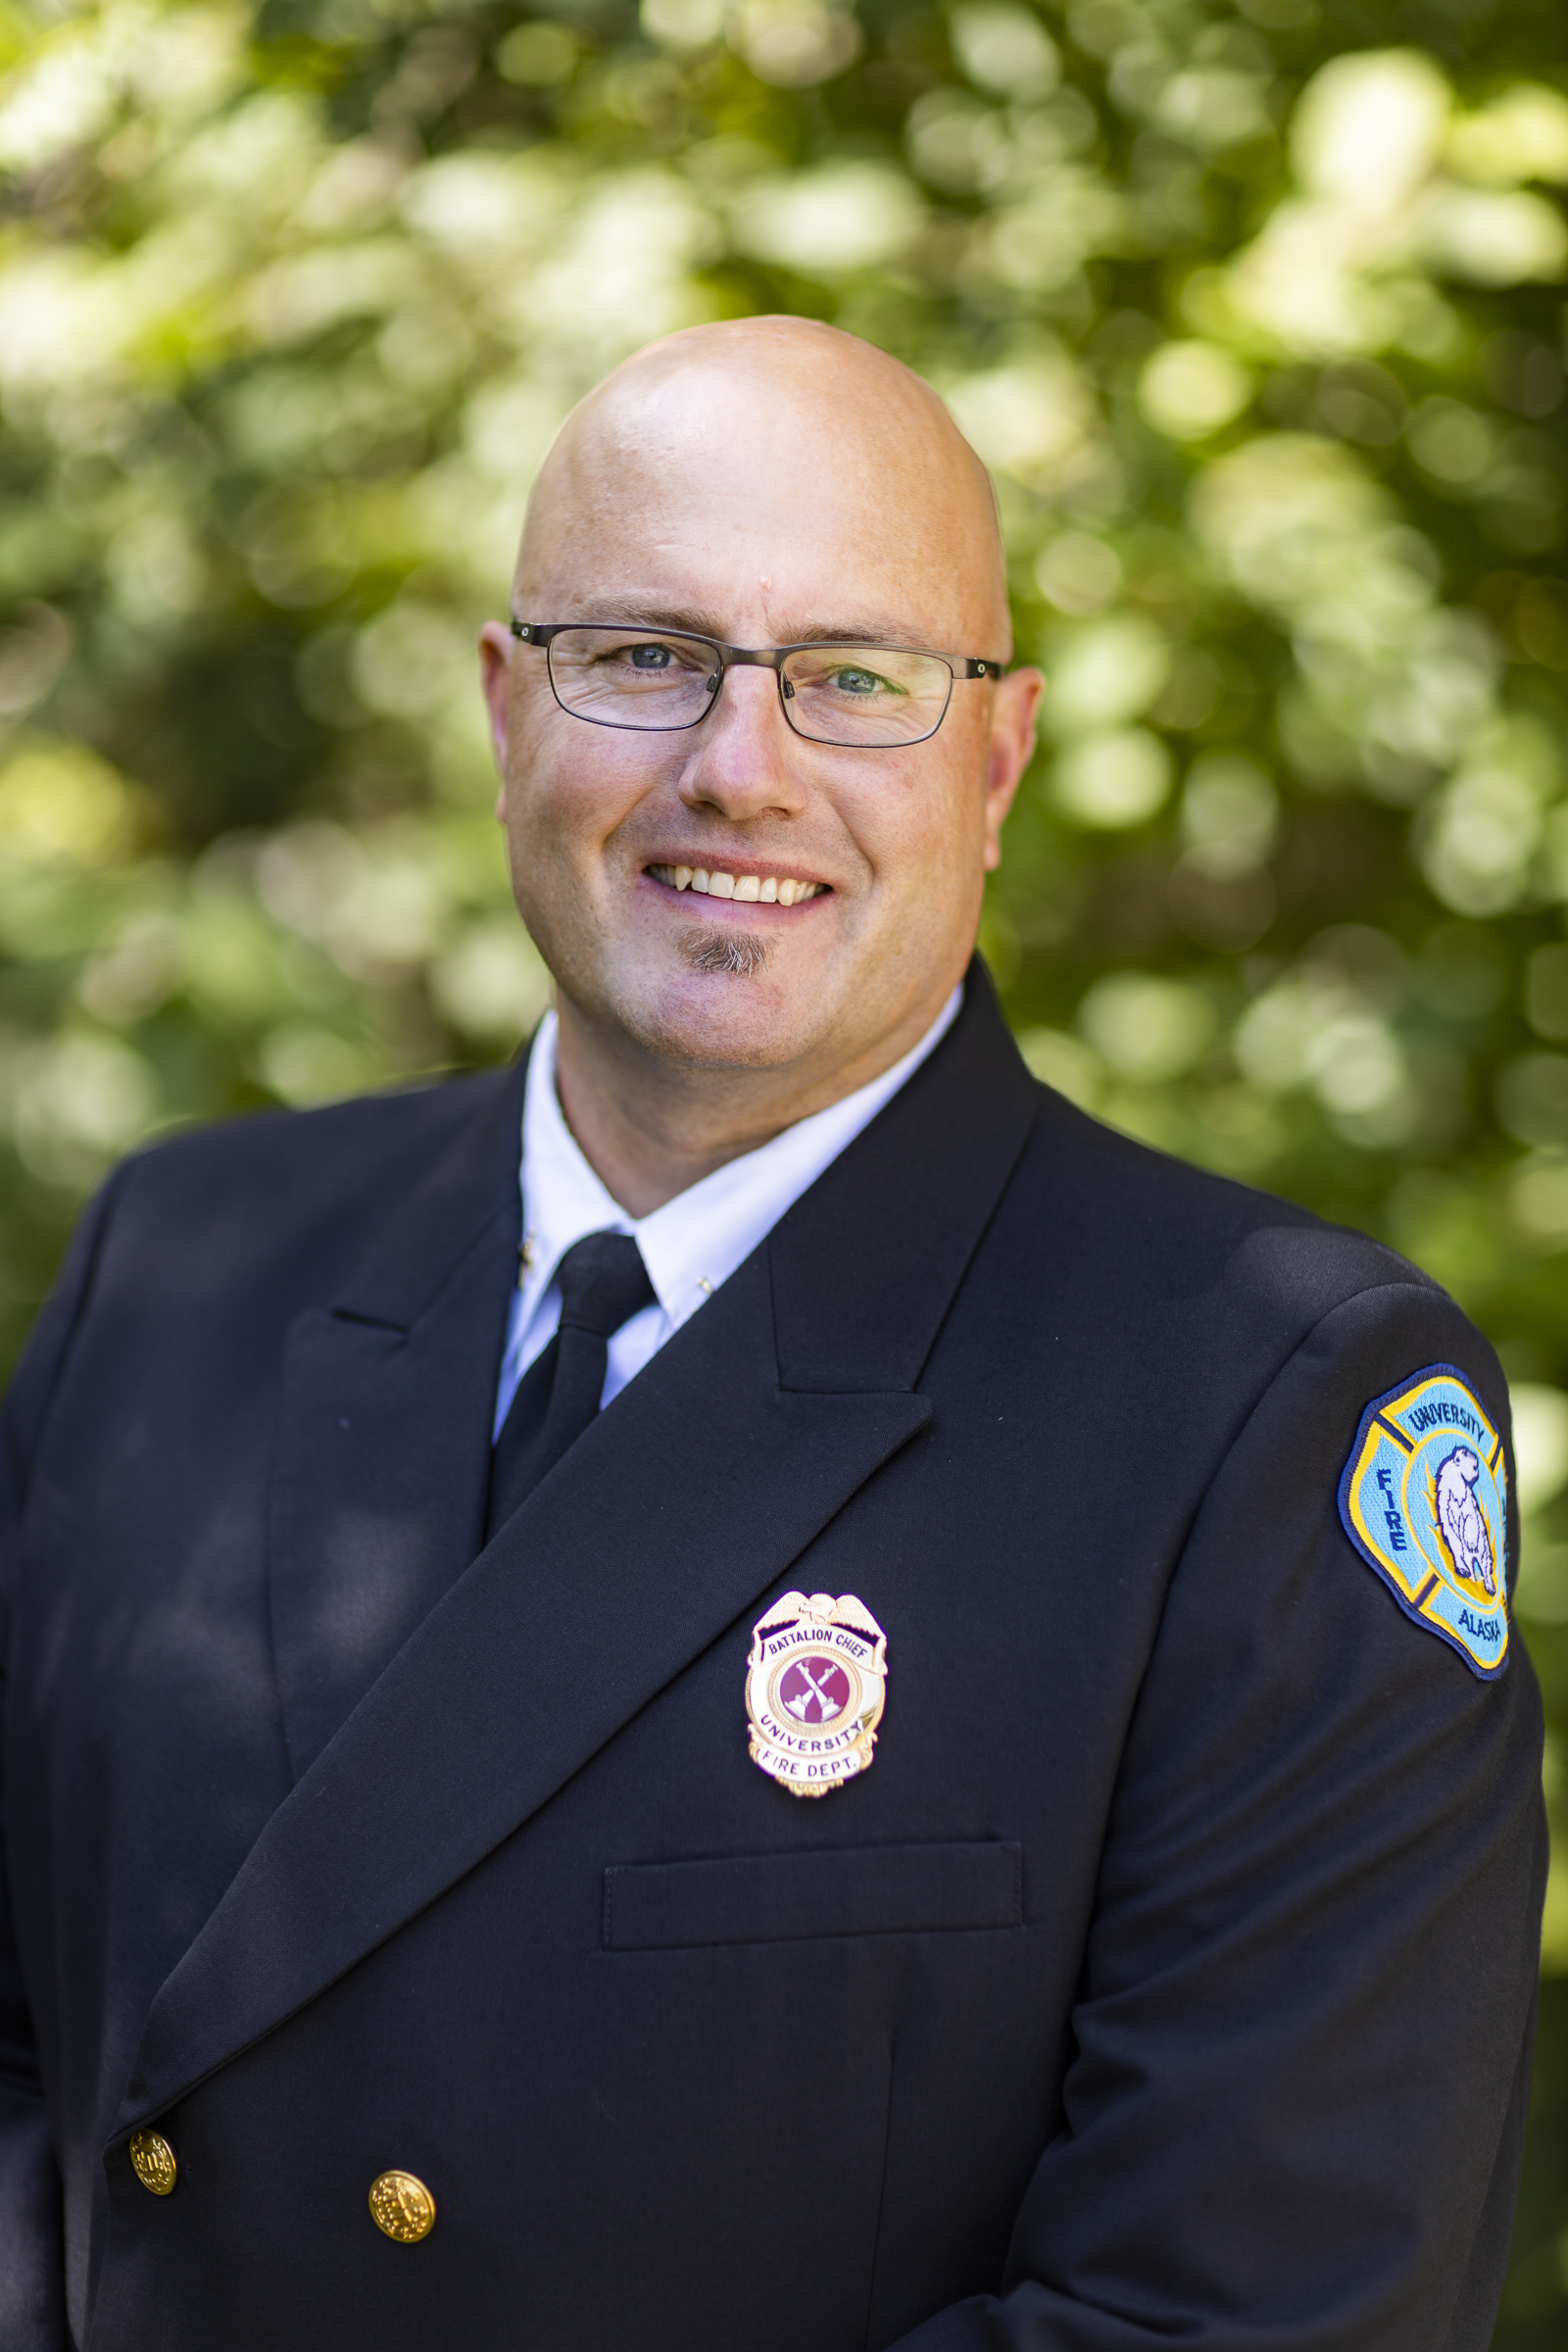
(693, 623)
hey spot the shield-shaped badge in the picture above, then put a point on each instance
(1425, 1500)
(817, 1682)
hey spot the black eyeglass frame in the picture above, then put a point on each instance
(745, 656)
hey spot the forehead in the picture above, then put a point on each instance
(788, 496)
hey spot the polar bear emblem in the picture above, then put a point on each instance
(1462, 1520)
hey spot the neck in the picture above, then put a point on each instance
(650, 1128)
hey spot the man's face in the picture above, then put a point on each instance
(760, 515)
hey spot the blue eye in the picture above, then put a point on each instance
(651, 657)
(855, 681)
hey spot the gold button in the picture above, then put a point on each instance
(153, 2162)
(402, 2206)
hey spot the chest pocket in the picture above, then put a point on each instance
(781, 1899)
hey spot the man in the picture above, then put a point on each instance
(856, 1726)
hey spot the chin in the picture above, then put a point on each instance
(723, 1019)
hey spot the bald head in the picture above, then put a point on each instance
(747, 916)
(807, 462)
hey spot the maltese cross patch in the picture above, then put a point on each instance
(1424, 1499)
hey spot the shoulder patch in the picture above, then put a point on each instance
(1424, 1499)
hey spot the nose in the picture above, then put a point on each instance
(743, 760)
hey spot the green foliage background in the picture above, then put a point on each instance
(1255, 310)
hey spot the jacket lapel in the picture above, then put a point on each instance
(765, 1412)
(383, 1454)
(867, 1261)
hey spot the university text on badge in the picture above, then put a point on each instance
(1424, 1498)
(816, 1686)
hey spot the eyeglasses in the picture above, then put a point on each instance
(869, 698)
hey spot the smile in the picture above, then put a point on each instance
(762, 890)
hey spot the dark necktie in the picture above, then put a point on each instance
(603, 1283)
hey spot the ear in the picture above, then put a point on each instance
(1014, 714)
(494, 679)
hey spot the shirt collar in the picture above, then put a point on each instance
(695, 1241)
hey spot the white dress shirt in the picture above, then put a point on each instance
(691, 1244)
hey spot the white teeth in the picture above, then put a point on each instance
(748, 888)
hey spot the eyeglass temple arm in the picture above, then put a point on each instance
(742, 657)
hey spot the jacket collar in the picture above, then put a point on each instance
(694, 1243)
(764, 1413)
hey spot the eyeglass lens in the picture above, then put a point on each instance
(870, 697)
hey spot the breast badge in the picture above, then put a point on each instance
(1424, 1499)
(817, 1683)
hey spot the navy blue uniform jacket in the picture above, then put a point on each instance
(1167, 1978)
